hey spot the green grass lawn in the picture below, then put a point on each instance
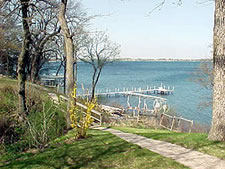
(195, 141)
(99, 150)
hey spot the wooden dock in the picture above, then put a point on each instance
(138, 92)
(142, 94)
(52, 81)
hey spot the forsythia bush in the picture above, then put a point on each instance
(81, 119)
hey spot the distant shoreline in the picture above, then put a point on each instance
(153, 60)
(163, 60)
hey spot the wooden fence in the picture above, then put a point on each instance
(175, 123)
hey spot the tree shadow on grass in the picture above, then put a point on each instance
(75, 155)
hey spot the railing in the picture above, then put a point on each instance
(56, 102)
(174, 120)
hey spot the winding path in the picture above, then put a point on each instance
(187, 157)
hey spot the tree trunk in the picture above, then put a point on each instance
(69, 51)
(64, 84)
(23, 59)
(7, 65)
(93, 92)
(217, 131)
(94, 82)
(75, 70)
(35, 67)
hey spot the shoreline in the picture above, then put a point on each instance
(153, 60)
(163, 60)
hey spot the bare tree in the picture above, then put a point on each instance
(43, 29)
(217, 131)
(204, 77)
(10, 44)
(99, 51)
(71, 21)
(69, 53)
(23, 57)
(77, 21)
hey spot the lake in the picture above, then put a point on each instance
(185, 101)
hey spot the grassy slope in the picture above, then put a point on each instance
(13, 83)
(7, 82)
(195, 141)
(100, 150)
(30, 89)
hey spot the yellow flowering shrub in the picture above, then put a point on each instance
(81, 118)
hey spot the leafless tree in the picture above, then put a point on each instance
(99, 51)
(44, 27)
(10, 43)
(22, 10)
(72, 20)
(69, 53)
(217, 131)
(204, 77)
(23, 58)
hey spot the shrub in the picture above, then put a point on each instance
(81, 119)
(44, 126)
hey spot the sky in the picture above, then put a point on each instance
(179, 32)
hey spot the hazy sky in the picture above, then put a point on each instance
(173, 32)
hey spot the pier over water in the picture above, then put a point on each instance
(139, 92)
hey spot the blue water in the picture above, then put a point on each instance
(185, 100)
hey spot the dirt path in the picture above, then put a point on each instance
(187, 157)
